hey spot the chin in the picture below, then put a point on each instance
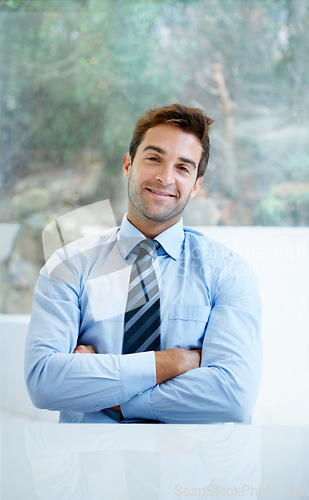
(160, 218)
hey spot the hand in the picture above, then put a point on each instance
(173, 362)
(117, 408)
(81, 349)
(191, 358)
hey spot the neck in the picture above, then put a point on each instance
(151, 229)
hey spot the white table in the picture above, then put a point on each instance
(153, 461)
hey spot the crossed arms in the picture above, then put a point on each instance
(217, 384)
(170, 363)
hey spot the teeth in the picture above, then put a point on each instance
(161, 194)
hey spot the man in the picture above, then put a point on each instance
(201, 360)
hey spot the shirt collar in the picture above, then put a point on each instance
(171, 239)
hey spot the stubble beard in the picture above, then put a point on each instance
(136, 200)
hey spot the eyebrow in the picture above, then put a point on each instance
(162, 152)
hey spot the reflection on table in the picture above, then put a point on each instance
(153, 461)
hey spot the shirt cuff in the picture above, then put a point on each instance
(139, 407)
(138, 373)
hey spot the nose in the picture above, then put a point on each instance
(166, 175)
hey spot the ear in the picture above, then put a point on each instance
(196, 187)
(126, 167)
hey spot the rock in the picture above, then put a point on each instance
(29, 245)
(36, 222)
(8, 234)
(34, 200)
(17, 301)
(22, 273)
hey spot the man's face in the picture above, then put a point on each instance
(163, 175)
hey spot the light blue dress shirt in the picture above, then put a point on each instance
(209, 300)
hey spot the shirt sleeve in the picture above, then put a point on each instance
(225, 387)
(56, 378)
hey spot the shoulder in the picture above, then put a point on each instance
(71, 258)
(92, 241)
(221, 260)
(198, 240)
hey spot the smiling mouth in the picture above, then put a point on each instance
(161, 193)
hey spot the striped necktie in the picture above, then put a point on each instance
(142, 316)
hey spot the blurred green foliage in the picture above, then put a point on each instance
(286, 204)
(76, 74)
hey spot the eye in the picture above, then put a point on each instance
(183, 168)
(152, 158)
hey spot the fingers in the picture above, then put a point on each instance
(81, 349)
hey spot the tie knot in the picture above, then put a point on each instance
(147, 247)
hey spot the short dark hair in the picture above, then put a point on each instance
(191, 120)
